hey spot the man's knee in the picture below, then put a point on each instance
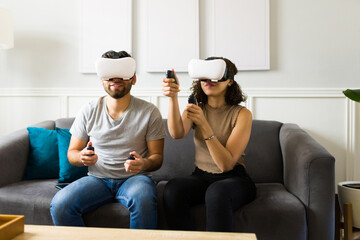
(142, 191)
(60, 204)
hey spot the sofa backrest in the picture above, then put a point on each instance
(64, 122)
(178, 157)
(263, 156)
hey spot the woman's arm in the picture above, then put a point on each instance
(178, 126)
(225, 157)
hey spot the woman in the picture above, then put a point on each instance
(221, 132)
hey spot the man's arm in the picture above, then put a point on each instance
(78, 154)
(156, 153)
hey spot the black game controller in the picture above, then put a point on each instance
(170, 74)
(91, 148)
(131, 157)
(192, 99)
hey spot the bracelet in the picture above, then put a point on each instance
(209, 138)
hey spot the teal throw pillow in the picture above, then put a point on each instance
(68, 173)
(43, 159)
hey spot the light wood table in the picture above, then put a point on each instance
(39, 232)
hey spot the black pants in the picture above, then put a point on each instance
(222, 194)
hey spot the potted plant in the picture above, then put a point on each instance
(349, 192)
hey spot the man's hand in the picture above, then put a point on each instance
(134, 166)
(88, 157)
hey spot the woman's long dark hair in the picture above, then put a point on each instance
(233, 95)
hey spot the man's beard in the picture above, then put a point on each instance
(118, 93)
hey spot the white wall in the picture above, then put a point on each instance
(314, 55)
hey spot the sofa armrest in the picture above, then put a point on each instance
(14, 149)
(309, 174)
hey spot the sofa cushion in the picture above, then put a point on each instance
(274, 214)
(43, 160)
(68, 173)
(30, 198)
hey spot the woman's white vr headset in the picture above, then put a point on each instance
(108, 68)
(203, 70)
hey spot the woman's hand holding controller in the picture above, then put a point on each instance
(170, 85)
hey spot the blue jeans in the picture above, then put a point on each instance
(137, 193)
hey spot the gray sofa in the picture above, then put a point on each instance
(293, 173)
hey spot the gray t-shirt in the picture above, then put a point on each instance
(113, 140)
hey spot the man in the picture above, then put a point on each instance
(117, 126)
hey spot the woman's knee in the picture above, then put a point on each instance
(174, 190)
(229, 193)
(216, 194)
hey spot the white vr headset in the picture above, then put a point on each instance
(108, 68)
(213, 70)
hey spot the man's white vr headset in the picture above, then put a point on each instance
(214, 70)
(108, 68)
